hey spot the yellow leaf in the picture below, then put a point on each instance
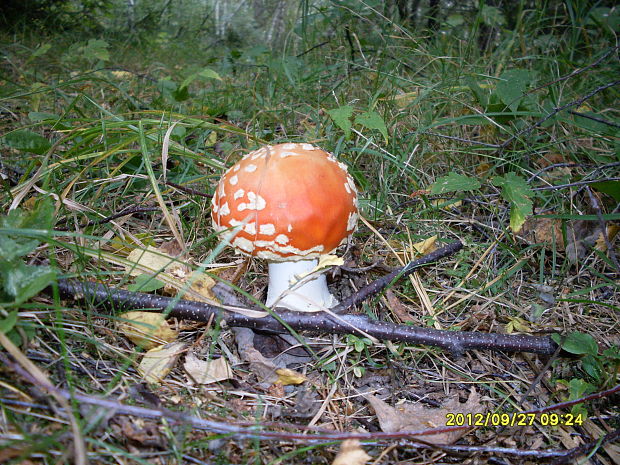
(157, 363)
(287, 377)
(202, 286)
(612, 231)
(151, 259)
(351, 453)
(517, 324)
(146, 329)
(324, 262)
(426, 246)
(207, 371)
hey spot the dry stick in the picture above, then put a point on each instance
(314, 434)
(455, 341)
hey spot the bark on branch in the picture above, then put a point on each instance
(317, 323)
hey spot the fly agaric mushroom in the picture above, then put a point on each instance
(290, 203)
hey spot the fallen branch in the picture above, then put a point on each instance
(316, 323)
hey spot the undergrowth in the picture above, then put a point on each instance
(510, 146)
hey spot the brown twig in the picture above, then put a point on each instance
(316, 434)
(455, 341)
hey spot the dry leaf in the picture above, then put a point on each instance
(612, 232)
(262, 367)
(446, 204)
(351, 453)
(398, 308)
(157, 363)
(146, 329)
(517, 324)
(201, 287)
(543, 230)
(287, 377)
(207, 371)
(415, 417)
(425, 246)
(151, 259)
(324, 262)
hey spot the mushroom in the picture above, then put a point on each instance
(289, 204)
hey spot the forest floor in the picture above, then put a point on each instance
(110, 156)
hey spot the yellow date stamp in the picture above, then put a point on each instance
(513, 419)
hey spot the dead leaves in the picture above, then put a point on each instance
(146, 329)
(415, 417)
(574, 237)
(207, 371)
(157, 363)
(351, 453)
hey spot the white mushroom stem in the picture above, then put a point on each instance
(311, 295)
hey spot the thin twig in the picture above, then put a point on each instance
(576, 72)
(594, 118)
(316, 434)
(455, 341)
(460, 139)
(556, 110)
(573, 184)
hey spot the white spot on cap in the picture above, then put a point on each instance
(289, 146)
(343, 167)
(267, 229)
(221, 190)
(307, 147)
(289, 154)
(214, 207)
(234, 223)
(244, 244)
(224, 209)
(250, 168)
(250, 228)
(239, 194)
(282, 239)
(234, 180)
(237, 167)
(289, 228)
(346, 188)
(351, 184)
(256, 202)
(352, 221)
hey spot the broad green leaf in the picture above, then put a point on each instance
(12, 245)
(372, 120)
(455, 20)
(207, 73)
(27, 141)
(210, 74)
(518, 193)
(342, 118)
(454, 182)
(578, 388)
(492, 16)
(9, 322)
(41, 50)
(25, 281)
(611, 188)
(512, 86)
(96, 49)
(578, 343)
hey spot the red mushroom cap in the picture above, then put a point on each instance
(291, 201)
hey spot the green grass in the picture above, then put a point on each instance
(88, 123)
